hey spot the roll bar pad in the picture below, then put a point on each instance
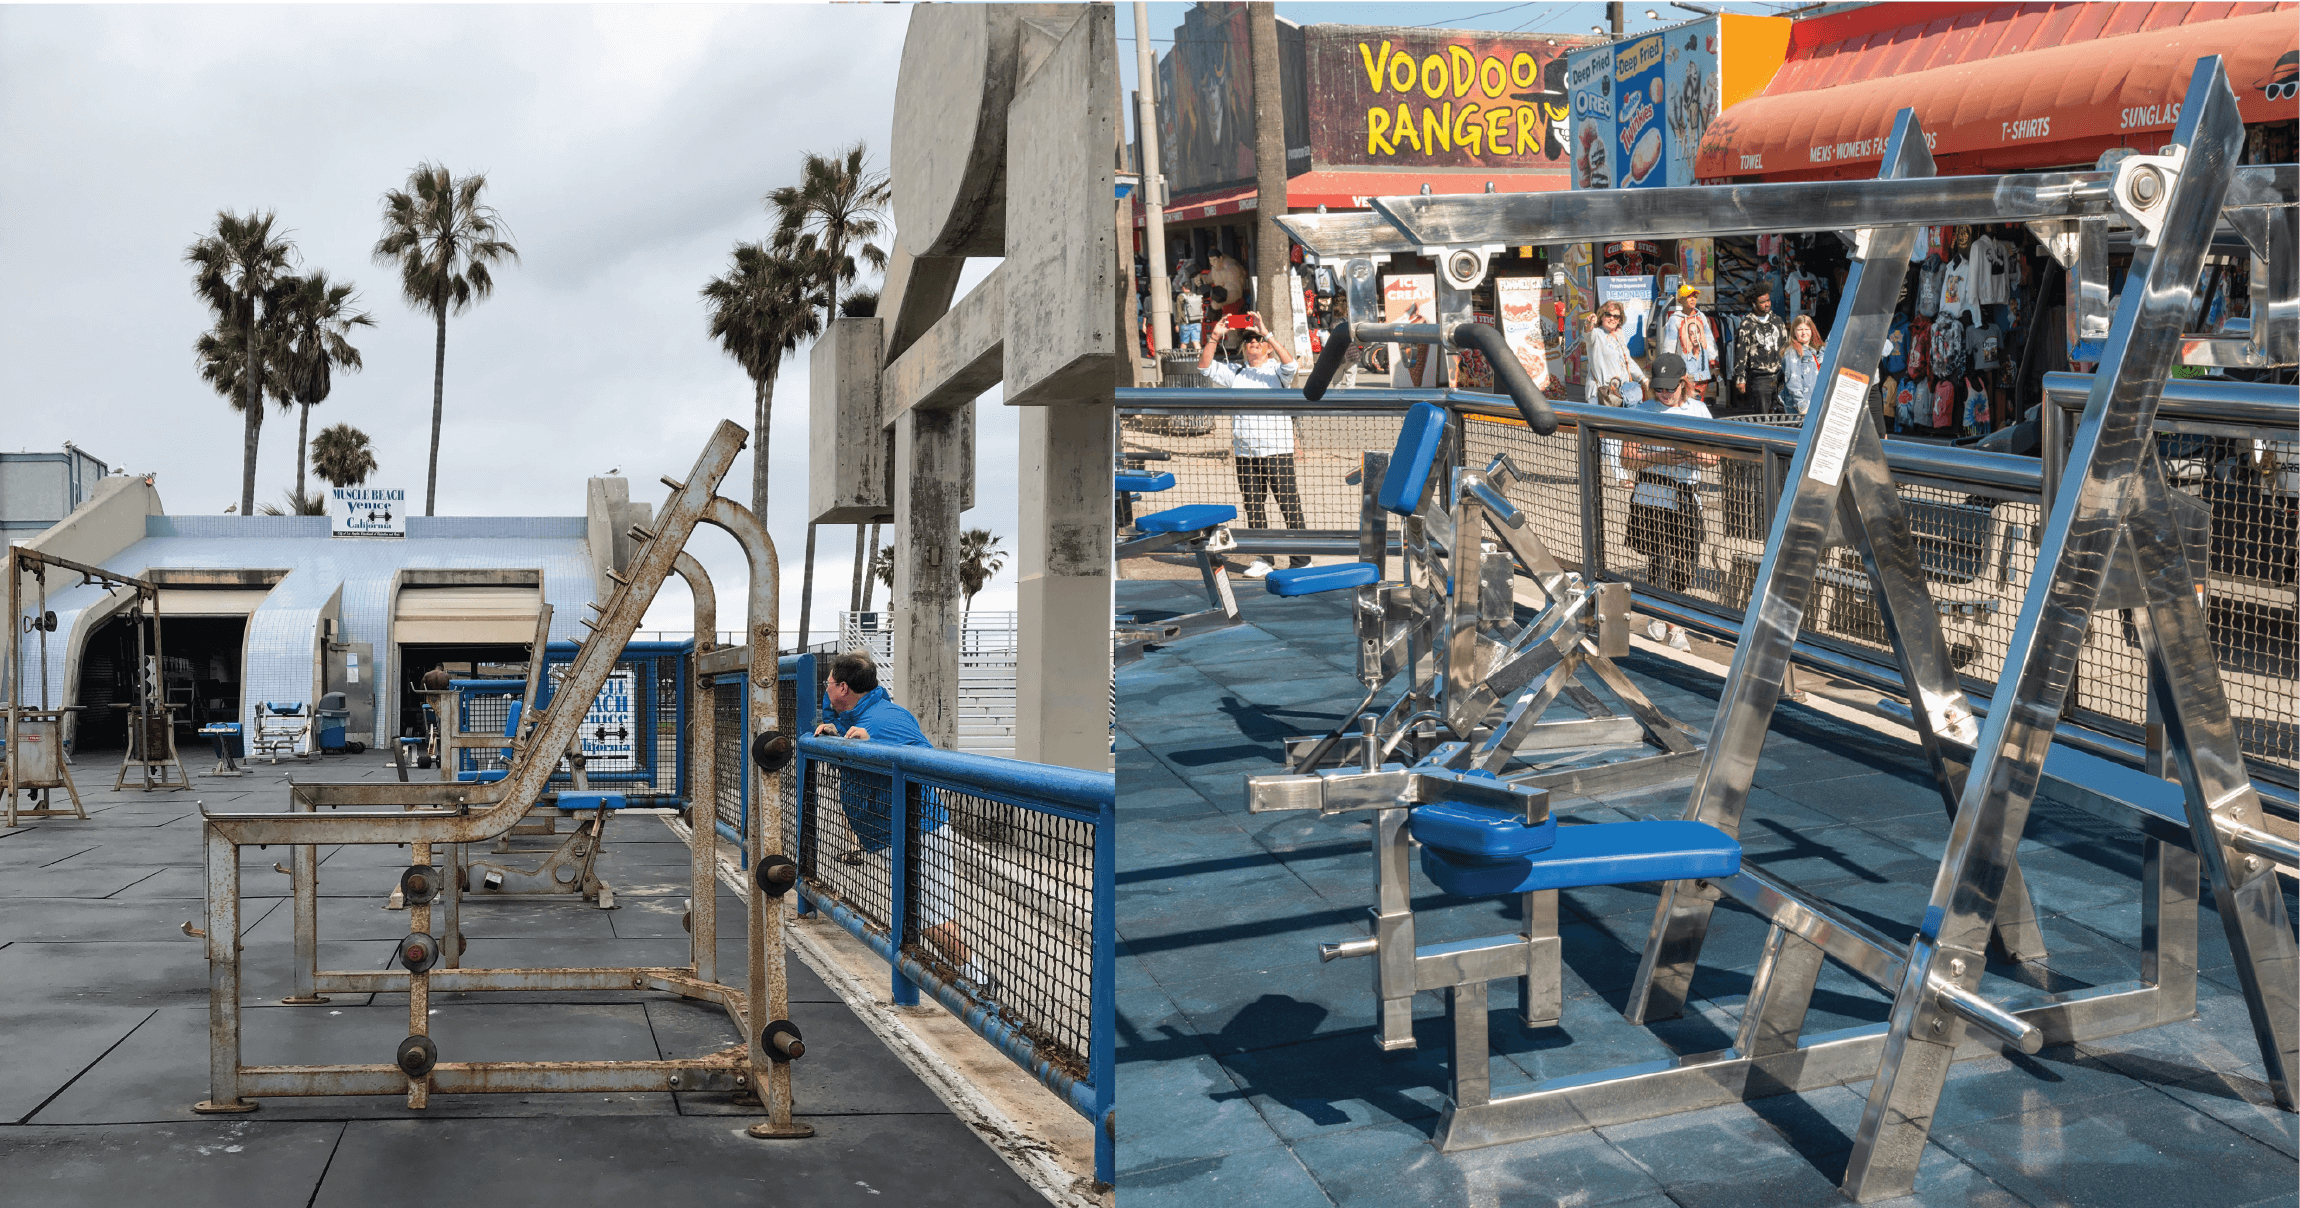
(1510, 373)
(1329, 363)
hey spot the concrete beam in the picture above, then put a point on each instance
(1066, 523)
(917, 291)
(1062, 129)
(926, 597)
(954, 360)
(846, 481)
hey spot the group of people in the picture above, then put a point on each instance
(1773, 366)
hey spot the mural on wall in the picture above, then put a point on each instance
(1589, 91)
(1206, 100)
(1690, 68)
(1640, 126)
(1436, 98)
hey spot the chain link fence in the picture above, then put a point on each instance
(1977, 546)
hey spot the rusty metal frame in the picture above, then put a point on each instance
(20, 561)
(424, 815)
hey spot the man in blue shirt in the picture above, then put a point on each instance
(856, 706)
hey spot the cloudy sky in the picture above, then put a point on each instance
(626, 147)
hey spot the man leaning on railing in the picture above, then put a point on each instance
(856, 706)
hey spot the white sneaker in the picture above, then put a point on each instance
(1657, 630)
(1677, 639)
(1259, 569)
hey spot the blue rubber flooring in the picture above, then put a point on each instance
(1246, 1069)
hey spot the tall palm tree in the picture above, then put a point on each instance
(316, 317)
(443, 239)
(237, 269)
(762, 308)
(832, 216)
(979, 558)
(829, 220)
(342, 455)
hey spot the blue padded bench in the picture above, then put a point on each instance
(1310, 580)
(1473, 851)
(1141, 482)
(1189, 518)
(593, 801)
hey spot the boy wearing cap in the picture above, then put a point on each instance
(1687, 332)
(1665, 519)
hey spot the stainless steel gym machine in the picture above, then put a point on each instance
(2116, 536)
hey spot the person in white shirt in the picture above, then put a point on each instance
(1665, 519)
(1614, 376)
(1262, 446)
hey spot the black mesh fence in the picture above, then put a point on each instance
(1697, 533)
(484, 713)
(1002, 906)
(726, 703)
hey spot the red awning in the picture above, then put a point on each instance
(1341, 190)
(2061, 105)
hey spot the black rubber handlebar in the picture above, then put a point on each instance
(1508, 371)
(1329, 363)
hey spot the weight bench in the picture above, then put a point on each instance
(1429, 625)
(278, 726)
(1202, 530)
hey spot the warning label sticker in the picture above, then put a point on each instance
(1838, 415)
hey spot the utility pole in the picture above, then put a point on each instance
(1270, 268)
(1613, 14)
(1153, 186)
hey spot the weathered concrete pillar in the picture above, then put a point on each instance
(929, 491)
(1065, 517)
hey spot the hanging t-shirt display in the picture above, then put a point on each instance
(1944, 403)
(1905, 402)
(1804, 291)
(1948, 347)
(1929, 288)
(1956, 288)
(1920, 348)
(1896, 344)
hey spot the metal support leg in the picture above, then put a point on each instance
(1393, 932)
(303, 878)
(2168, 881)
(1541, 992)
(1780, 993)
(223, 981)
(1472, 1059)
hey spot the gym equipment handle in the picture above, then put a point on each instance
(1510, 373)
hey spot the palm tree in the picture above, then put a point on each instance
(316, 317)
(761, 309)
(342, 455)
(237, 270)
(828, 220)
(442, 238)
(832, 216)
(978, 559)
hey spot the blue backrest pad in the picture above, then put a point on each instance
(1412, 459)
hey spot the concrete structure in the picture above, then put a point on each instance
(258, 608)
(1003, 112)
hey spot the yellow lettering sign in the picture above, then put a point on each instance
(1405, 127)
(1377, 132)
(1464, 67)
(1374, 65)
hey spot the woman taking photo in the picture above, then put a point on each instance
(1800, 363)
(1615, 377)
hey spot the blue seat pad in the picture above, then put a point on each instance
(1136, 480)
(1476, 834)
(489, 776)
(1189, 518)
(1310, 580)
(593, 801)
(1604, 853)
(1412, 459)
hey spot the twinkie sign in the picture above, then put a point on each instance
(367, 512)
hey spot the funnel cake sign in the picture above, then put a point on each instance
(1436, 98)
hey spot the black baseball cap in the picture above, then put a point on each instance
(1668, 371)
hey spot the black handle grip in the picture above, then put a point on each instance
(1507, 370)
(1329, 363)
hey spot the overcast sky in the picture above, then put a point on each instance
(626, 147)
